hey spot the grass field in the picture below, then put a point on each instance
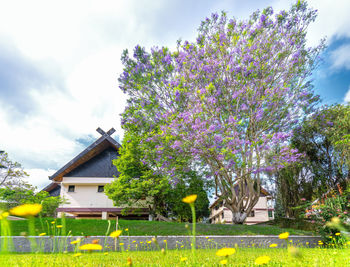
(88, 227)
(242, 257)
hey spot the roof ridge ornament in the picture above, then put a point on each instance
(103, 133)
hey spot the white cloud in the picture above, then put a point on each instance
(341, 57)
(85, 40)
(39, 177)
(333, 20)
(347, 96)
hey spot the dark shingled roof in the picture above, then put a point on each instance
(101, 144)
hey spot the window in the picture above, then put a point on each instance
(251, 214)
(71, 188)
(101, 188)
(270, 213)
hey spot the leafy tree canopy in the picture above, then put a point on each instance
(324, 140)
(225, 102)
(139, 185)
(11, 173)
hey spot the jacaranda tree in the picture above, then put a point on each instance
(225, 103)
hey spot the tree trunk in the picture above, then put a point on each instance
(239, 217)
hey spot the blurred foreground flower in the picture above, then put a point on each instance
(76, 241)
(189, 199)
(26, 210)
(90, 247)
(283, 235)
(262, 260)
(223, 262)
(4, 215)
(116, 233)
(225, 252)
(183, 259)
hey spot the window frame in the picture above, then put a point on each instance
(270, 212)
(98, 188)
(71, 188)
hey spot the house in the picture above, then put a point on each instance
(81, 183)
(263, 211)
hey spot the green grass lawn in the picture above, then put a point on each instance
(242, 257)
(88, 227)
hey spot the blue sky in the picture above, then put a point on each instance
(60, 60)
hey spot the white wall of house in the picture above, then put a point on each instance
(85, 194)
(261, 214)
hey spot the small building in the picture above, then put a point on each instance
(81, 183)
(263, 211)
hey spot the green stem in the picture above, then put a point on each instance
(63, 222)
(31, 230)
(193, 228)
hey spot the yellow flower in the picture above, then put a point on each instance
(106, 253)
(149, 242)
(121, 244)
(26, 210)
(273, 246)
(75, 241)
(189, 199)
(53, 222)
(283, 235)
(4, 215)
(127, 229)
(224, 252)
(223, 262)
(262, 260)
(337, 233)
(77, 254)
(116, 233)
(335, 220)
(59, 226)
(183, 259)
(91, 247)
(129, 261)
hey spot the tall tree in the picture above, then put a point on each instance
(324, 139)
(138, 184)
(189, 184)
(11, 173)
(224, 103)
